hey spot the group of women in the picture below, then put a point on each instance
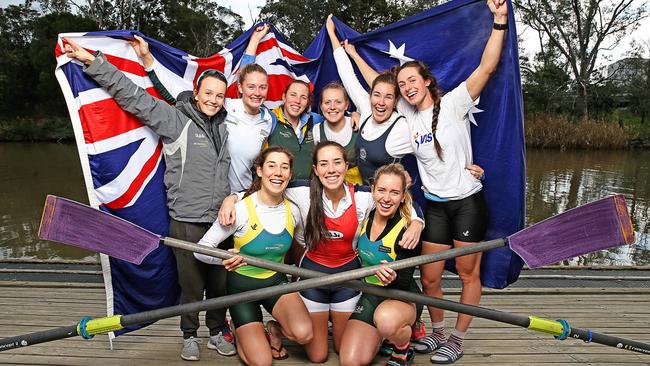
(338, 225)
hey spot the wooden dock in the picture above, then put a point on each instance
(33, 306)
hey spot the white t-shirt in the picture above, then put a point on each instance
(246, 134)
(272, 218)
(343, 137)
(398, 141)
(447, 178)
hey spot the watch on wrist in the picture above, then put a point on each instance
(500, 26)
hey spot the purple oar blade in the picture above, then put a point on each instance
(73, 223)
(595, 226)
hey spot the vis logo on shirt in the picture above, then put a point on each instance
(423, 139)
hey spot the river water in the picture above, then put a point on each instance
(556, 181)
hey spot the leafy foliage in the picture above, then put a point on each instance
(579, 30)
(299, 21)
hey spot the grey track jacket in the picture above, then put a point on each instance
(196, 177)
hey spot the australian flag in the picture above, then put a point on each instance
(122, 159)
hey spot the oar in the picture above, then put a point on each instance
(558, 328)
(594, 226)
(87, 328)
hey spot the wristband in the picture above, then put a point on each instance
(500, 26)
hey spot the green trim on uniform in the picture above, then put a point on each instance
(284, 135)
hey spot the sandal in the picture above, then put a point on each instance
(272, 327)
(426, 344)
(446, 355)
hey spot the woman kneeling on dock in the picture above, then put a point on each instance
(265, 225)
(376, 318)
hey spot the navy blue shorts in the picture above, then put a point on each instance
(332, 297)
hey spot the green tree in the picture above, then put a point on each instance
(17, 78)
(580, 30)
(299, 21)
(41, 51)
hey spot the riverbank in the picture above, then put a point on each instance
(541, 131)
(32, 129)
(560, 132)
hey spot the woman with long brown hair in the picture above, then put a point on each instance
(266, 223)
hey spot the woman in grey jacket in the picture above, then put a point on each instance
(197, 163)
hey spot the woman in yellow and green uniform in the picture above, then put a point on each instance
(377, 318)
(264, 228)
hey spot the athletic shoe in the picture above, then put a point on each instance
(190, 351)
(418, 331)
(223, 342)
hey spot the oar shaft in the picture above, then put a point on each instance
(552, 327)
(589, 336)
(357, 273)
(38, 337)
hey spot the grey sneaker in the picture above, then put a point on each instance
(190, 351)
(223, 342)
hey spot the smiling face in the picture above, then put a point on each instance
(382, 101)
(253, 89)
(413, 86)
(210, 96)
(388, 193)
(330, 167)
(333, 104)
(296, 100)
(275, 173)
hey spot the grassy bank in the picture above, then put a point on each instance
(35, 129)
(543, 131)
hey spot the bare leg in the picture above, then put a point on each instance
(431, 278)
(393, 319)
(294, 319)
(317, 350)
(339, 322)
(359, 344)
(469, 271)
(252, 346)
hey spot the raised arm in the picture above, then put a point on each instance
(162, 118)
(256, 37)
(355, 90)
(369, 74)
(492, 53)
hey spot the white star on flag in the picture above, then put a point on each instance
(470, 115)
(398, 53)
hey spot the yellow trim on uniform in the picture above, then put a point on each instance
(254, 222)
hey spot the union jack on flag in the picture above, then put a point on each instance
(122, 159)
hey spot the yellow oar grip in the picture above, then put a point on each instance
(546, 326)
(91, 327)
